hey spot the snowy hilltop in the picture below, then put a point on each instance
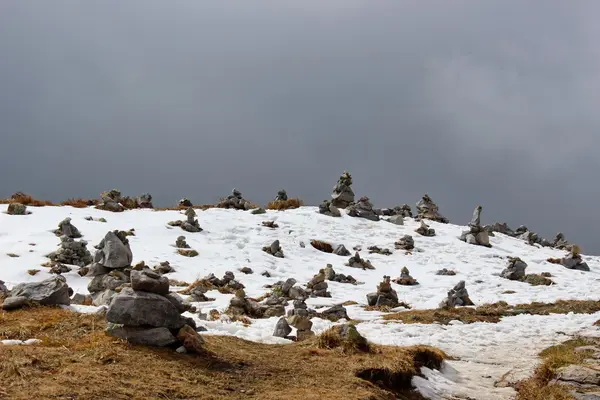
(320, 266)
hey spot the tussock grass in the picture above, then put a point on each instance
(321, 246)
(187, 252)
(80, 203)
(76, 359)
(26, 200)
(494, 312)
(285, 204)
(539, 386)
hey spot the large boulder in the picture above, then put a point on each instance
(133, 308)
(51, 291)
(114, 251)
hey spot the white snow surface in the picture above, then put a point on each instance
(234, 239)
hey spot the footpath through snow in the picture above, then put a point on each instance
(232, 239)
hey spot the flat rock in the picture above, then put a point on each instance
(143, 309)
(146, 336)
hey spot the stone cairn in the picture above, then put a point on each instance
(146, 313)
(561, 243)
(242, 305)
(288, 290)
(515, 271)
(425, 230)
(145, 201)
(185, 202)
(363, 209)
(180, 243)
(17, 209)
(357, 262)
(385, 295)
(65, 228)
(190, 224)
(281, 196)
(71, 252)
(111, 201)
(476, 234)
(327, 208)
(111, 267)
(406, 243)
(343, 195)
(274, 249)
(427, 209)
(457, 296)
(317, 287)
(379, 250)
(572, 260)
(51, 291)
(405, 278)
(299, 317)
(331, 275)
(235, 201)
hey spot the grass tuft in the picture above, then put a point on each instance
(285, 204)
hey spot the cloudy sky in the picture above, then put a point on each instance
(474, 102)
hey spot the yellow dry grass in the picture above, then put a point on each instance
(77, 360)
(285, 204)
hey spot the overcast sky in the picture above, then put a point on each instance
(475, 102)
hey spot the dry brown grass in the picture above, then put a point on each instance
(27, 200)
(285, 204)
(539, 386)
(77, 360)
(494, 312)
(187, 252)
(203, 283)
(202, 207)
(354, 343)
(321, 246)
(80, 203)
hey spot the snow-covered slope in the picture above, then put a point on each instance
(234, 239)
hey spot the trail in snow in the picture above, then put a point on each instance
(234, 239)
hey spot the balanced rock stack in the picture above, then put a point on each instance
(515, 271)
(287, 290)
(357, 262)
(343, 195)
(363, 209)
(573, 260)
(406, 242)
(476, 234)
(190, 224)
(51, 291)
(145, 201)
(235, 201)
(110, 269)
(425, 230)
(281, 195)
(385, 295)
(457, 296)
(405, 278)
(111, 201)
(331, 275)
(299, 318)
(180, 243)
(66, 228)
(185, 202)
(147, 314)
(561, 243)
(327, 208)
(274, 249)
(71, 252)
(427, 209)
(317, 287)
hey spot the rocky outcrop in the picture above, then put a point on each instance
(65, 228)
(515, 271)
(235, 201)
(363, 209)
(476, 234)
(405, 279)
(457, 296)
(71, 252)
(343, 195)
(427, 209)
(51, 291)
(274, 249)
(385, 295)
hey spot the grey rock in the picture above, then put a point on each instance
(396, 219)
(363, 209)
(133, 308)
(425, 230)
(406, 242)
(515, 270)
(113, 251)
(148, 281)
(578, 374)
(335, 313)
(51, 291)
(282, 328)
(67, 229)
(16, 209)
(258, 211)
(14, 302)
(71, 252)
(180, 243)
(145, 201)
(101, 283)
(82, 299)
(343, 195)
(281, 196)
(457, 296)
(159, 337)
(103, 298)
(178, 302)
(341, 250)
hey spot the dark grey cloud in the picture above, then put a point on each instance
(472, 102)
